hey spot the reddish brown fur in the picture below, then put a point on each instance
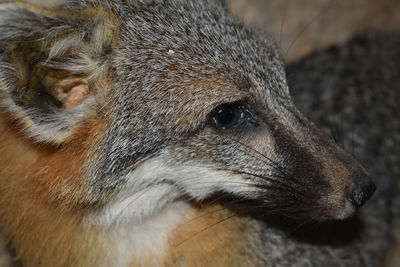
(41, 198)
(211, 236)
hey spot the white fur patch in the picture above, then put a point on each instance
(143, 215)
(147, 241)
(158, 182)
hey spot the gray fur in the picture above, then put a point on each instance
(172, 64)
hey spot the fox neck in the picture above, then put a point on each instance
(178, 233)
(184, 234)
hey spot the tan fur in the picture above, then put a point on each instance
(44, 185)
(211, 236)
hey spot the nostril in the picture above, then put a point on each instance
(362, 193)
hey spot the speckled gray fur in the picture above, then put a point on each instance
(173, 62)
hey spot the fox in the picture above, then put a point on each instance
(163, 133)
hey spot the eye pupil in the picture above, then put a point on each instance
(226, 116)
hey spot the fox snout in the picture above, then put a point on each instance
(330, 177)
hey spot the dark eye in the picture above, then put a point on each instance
(232, 116)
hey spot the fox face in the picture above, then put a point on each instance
(139, 104)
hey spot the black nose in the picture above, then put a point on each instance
(362, 193)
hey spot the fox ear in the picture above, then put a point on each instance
(51, 65)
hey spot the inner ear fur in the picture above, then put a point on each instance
(53, 64)
(44, 86)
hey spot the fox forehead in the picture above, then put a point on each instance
(177, 44)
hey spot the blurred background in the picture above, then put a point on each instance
(302, 26)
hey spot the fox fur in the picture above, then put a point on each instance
(114, 151)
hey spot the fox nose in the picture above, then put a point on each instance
(362, 193)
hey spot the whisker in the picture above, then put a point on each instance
(332, 131)
(260, 176)
(142, 192)
(283, 187)
(282, 22)
(336, 132)
(204, 229)
(352, 141)
(207, 213)
(261, 154)
(312, 219)
(341, 132)
(316, 18)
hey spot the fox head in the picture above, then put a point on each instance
(147, 102)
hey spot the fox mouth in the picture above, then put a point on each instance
(296, 199)
(262, 208)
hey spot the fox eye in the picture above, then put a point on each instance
(232, 116)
